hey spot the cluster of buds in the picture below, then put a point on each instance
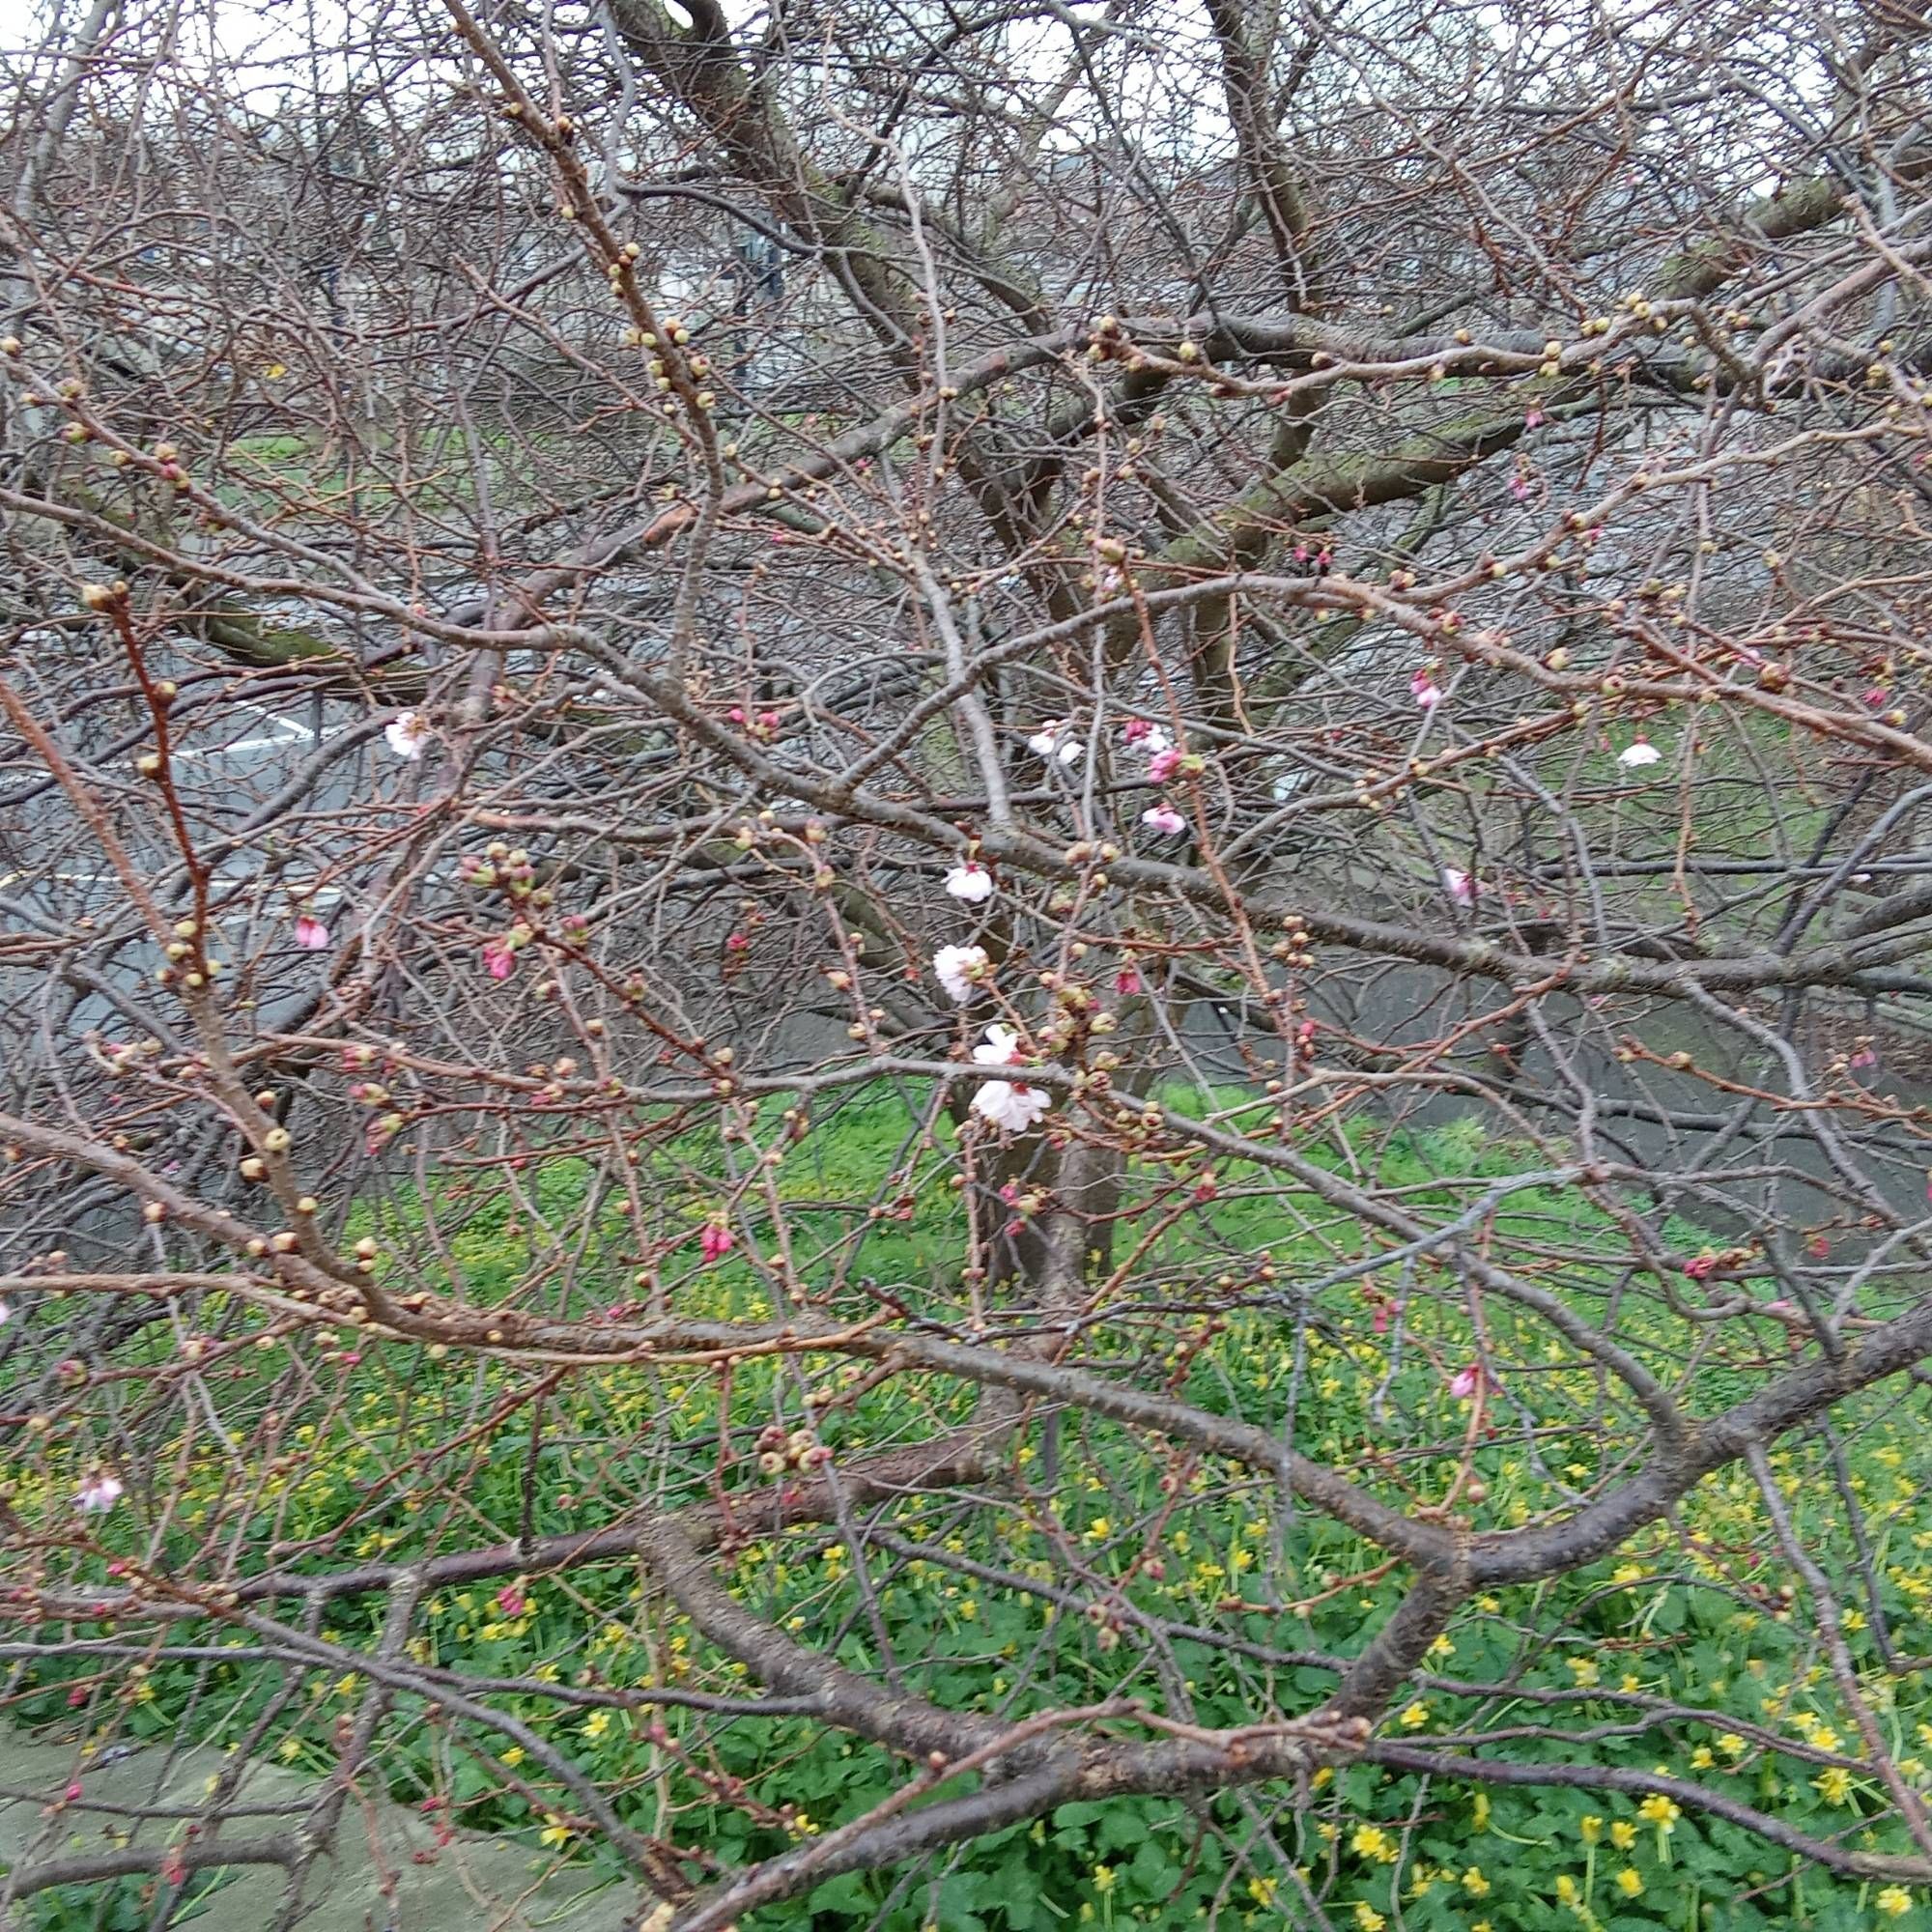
(1105, 339)
(1711, 1260)
(500, 869)
(1292, 948)
(1024, 1201)
(763, 726)
(119, 1056)
(779, 1452)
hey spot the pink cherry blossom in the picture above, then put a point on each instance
(1163, 765)
(1128, 980)
(499, 958)
(1426, 692)
(717, 1241)
(1163, 818)
(1701, 1267)
(100, 1494)
(1863, 1057)
(1466, 1381)
(1458, 885)
(311, 935)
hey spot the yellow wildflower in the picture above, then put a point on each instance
(1630, 1882)
(1894, 1901)
(1475, 1884)
(1590, 1827)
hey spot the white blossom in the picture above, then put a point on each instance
(1002, 1047)
(971, 883)
(1638, 751)
(956, 968)
(405, 734)
(1010, 1105)
(1051, 741)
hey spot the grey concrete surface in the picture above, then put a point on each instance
(476, 1884)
